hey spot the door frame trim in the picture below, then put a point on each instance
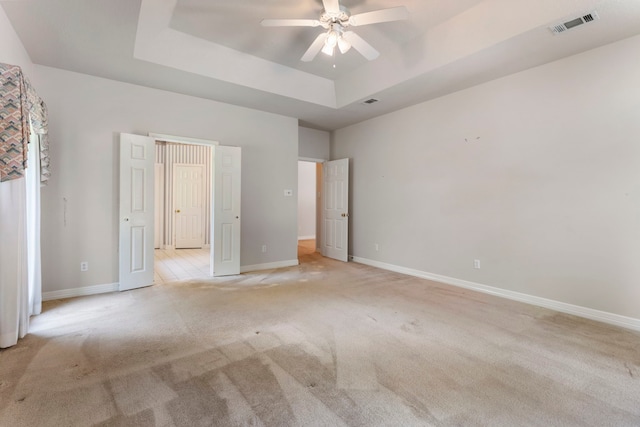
(182, 139)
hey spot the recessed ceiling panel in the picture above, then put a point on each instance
(236, 25)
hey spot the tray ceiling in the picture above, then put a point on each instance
(218, 49)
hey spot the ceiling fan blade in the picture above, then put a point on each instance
(290, 23)
(331, 6)
(384, 15)
(315, 48)
(361, 46)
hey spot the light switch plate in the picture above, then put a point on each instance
(288, 193)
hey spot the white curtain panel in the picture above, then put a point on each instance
(20, 273)
(14, 314)
(33, 184)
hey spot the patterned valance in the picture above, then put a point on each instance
(21, 112)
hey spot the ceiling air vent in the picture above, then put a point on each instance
(370, 101)
(564, 26)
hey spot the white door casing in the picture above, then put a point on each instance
(225, 227)
(137, 159)
(188, 203)
(335, 209)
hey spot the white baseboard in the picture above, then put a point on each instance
(268, 266)
(80, 292)
(313, 237)
(588, 313)
(113, 287)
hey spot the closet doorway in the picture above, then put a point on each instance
(218, 202)
(182, 237)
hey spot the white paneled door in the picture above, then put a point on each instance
(225, 229)
(188, 205)
(137, 158)
(335, 210)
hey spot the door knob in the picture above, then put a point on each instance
(126, 219)
(177, 210)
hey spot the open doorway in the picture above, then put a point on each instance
(331, 207)
(309, 202)
(182, 211)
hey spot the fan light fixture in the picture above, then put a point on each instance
(328, 50)
(337, 20)
(335, 37)
(343, 45)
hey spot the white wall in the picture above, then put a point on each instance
(306, 200)
(86, 116)
(313, 144)
(11, 49)
(537, 175)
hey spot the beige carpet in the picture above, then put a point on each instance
(322, 344)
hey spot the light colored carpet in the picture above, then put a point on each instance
(322, 344)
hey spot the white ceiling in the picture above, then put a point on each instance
(218, 49)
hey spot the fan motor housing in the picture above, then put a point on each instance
(336, 17)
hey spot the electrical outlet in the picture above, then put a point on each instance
(84, 266)
(264, 248)
(476, 263)
(288, 193)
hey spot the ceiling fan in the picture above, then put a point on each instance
(336, 19)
